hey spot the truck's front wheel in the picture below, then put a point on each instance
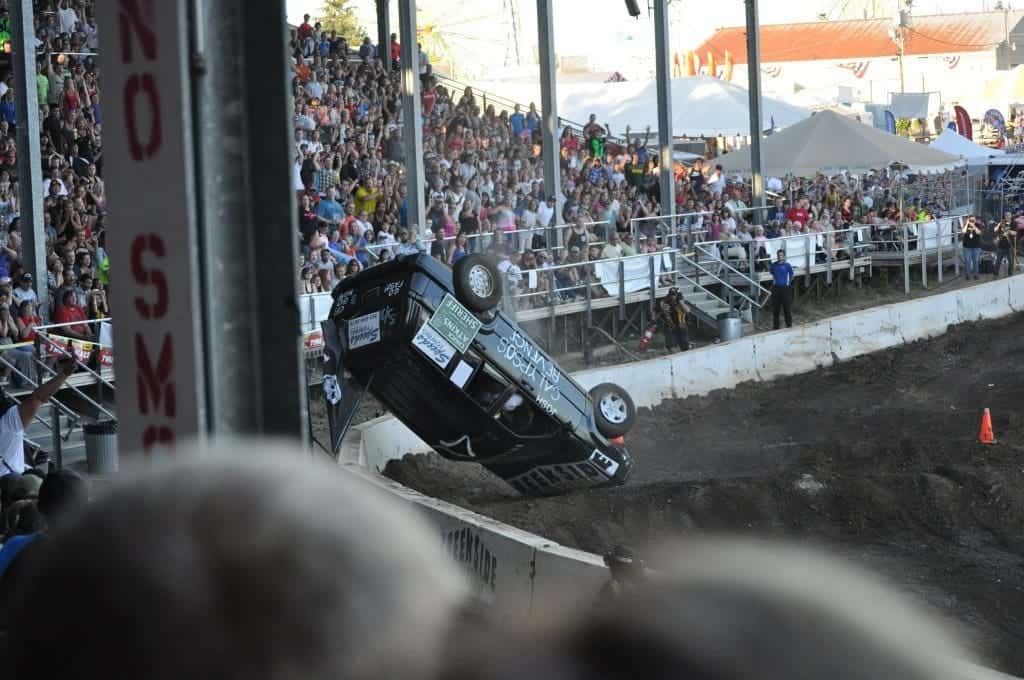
(477, 283)
(614, 412)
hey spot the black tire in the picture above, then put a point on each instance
(616, 418)
(477, 283)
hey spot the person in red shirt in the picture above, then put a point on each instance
(427, 99)
(396, 48)
(305, 30)
(70, 312)
(799, 213)
(346, 223)
(27, 321)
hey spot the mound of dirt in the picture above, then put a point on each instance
(875, 458)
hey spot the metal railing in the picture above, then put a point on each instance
(38, 356)
(519, 239)
(709, 254)
(14, 371)
(48, 343)
(54, 342)
(701, 271)
(667, 230)
(584, 281)
(805, 251)
(915, 243)
(728, 277)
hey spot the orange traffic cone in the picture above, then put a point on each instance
(986, 436)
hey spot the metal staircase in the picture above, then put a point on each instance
(712, 287)
(57, 427)
(86, 396)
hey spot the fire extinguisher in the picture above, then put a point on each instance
(645, 341)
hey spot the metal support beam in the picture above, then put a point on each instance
(662, 58)
(384, 32)
(30, 174)
(756, 122)
(549, 111)
(247, 219)
(412, 116)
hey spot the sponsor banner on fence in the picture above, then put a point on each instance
(635, 271)
(313, 341)
(796, 250)
(56, 345)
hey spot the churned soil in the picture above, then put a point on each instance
(876, 459)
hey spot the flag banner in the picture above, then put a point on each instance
(963, 123)
(996, 120)
(342, 396)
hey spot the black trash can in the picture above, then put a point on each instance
(101, 447)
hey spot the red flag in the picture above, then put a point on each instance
(963, 123)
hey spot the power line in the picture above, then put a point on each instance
(913, 30)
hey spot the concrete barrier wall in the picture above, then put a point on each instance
(521, 575)
(808, 346)
(757, 357)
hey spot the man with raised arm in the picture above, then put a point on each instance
(19, 416)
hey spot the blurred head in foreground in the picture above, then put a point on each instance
(728, 610)
(249, 562)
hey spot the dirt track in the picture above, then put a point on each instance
(875, 458)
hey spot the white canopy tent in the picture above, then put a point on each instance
(701, 106)
(952, 142)
(828, 142)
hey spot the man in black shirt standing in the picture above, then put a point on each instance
(1003, 250)
(972, 248)
(697, 178)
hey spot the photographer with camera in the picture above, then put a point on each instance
(1004, 238)
(673, 312)
(972, 248)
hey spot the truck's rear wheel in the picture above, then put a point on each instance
(477, 283)
(614, 412)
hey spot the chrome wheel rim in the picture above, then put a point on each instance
(613, 408)
(480, 281)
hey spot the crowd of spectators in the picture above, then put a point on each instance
(74, 198)
(485, 190)
(483, 172)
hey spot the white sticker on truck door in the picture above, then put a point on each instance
(436, 348)
(364, 330)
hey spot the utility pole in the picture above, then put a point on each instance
(33, 237)
(384, 32)
(900, 50)
(549, 112)
(412, 116)
(898, 34)
(666, 178)
(756, 119)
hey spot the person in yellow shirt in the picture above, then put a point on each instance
(832, 198)
(367, 196)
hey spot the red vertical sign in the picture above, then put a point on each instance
(154, 287)
(963, 122)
